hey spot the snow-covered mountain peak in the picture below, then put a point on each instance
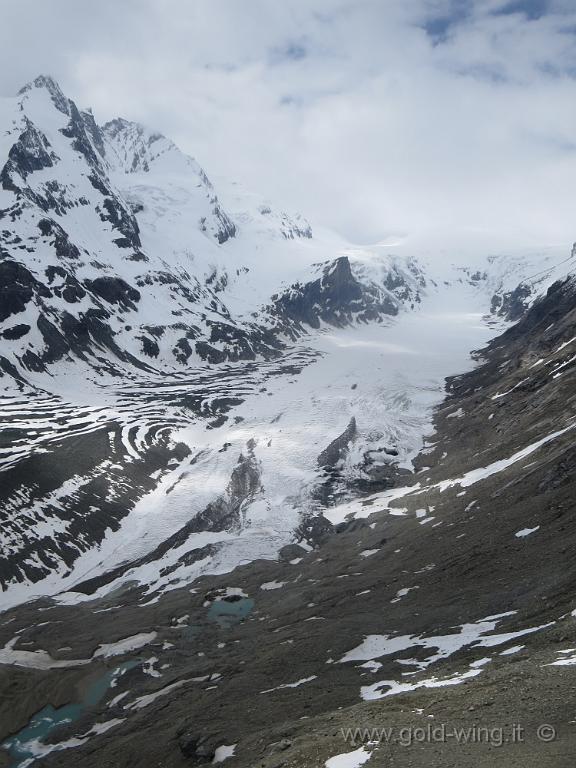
(133, 148)
(47, 83)
(142, 162)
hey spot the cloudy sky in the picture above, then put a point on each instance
(452, 120)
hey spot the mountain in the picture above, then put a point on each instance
(136, 302)
(249, 467)
(118, 255)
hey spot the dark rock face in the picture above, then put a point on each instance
(546, 312)
(32, 152)
(336, 298)
(379, 472)
(512, 305)
(226, 227)
(338, 448)
(291, 552)
(115, 290)
(15, 332)
(124, 221)
(149, 346)
(314, 530)
(225, 513)
(56, 344)
(241, 343)
(183, 350)
(61, 243)
(200, 749)
(85, 134)
(17, 288)
(376, 472)
(94, 132)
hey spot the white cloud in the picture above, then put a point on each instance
(345, 109)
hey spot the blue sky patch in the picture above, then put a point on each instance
(532, 9)
(438, 27)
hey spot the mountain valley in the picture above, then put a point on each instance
(262, 487)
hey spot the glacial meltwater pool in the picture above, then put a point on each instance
(226, 613)
(29, 743)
